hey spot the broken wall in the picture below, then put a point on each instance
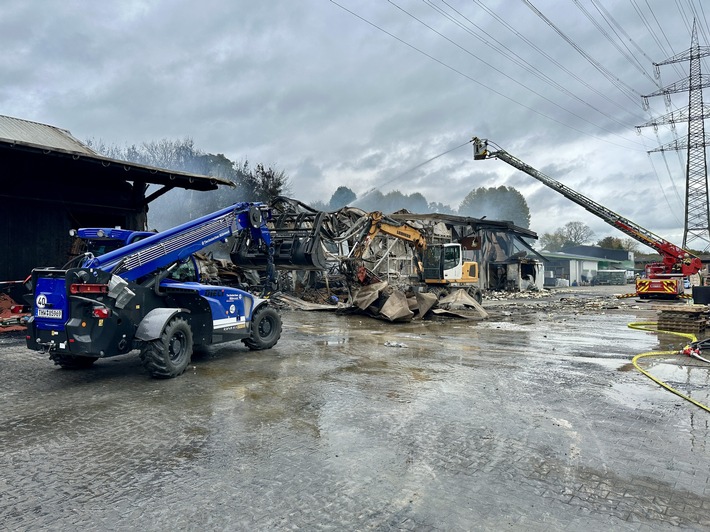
(391, 258)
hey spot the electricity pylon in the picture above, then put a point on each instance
(697, 209)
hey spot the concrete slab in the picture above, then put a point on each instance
(530, 420)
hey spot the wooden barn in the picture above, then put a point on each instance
(52, 183)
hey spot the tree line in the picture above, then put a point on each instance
(257, 183)
(263, 183)
(496, 203)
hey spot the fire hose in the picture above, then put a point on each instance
(693, 350)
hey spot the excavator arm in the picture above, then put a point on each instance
(675, 260)
(380, 224)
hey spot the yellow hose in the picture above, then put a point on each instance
(646, 326)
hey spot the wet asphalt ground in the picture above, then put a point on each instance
(531, 420)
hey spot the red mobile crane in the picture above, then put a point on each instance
(663, 279)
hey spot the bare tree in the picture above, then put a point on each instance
(572, 234)
(629, 244)
(577, 233)
(258, 184)
(552, 241)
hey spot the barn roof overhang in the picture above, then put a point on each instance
(30, 157)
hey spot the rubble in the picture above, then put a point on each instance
(395, 344)
(425, 301)
(461, 299)
(498, 295)
(10, 322)
(380, 300)
(384, 301)
(496, 305)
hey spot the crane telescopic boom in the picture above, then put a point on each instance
(675, 260)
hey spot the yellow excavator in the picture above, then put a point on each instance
(441, 267)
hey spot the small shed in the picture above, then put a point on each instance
(609, 259)
(569, 269)
(50, 183)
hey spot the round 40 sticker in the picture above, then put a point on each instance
(41, 301)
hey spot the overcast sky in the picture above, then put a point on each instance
(357, 93)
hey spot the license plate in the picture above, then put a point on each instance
(49, 313)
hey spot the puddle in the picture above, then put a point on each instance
(333, 341)
(688, 375)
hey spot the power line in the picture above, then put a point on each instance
(629, 57)
(661, 27)
(663, 191)
(704, 18)
(510, 77)
(515, 58)
(459, 72)
(554, 61)
(611, 21)
(399, 176)
(653, 35)
(625, 89)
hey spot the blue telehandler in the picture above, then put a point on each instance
(136, 296)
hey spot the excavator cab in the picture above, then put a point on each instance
(444, 264)
(451, 259)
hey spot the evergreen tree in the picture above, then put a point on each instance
(497, 203)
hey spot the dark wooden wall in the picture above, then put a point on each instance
(42, 201)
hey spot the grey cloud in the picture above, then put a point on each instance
(333, 101)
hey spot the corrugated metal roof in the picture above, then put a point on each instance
(22, 141)
(17, 130)
(562, 256)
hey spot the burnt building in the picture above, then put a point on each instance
(52, 183)
(506, 259)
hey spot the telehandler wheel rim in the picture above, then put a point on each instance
(169, 355)
(266, 329)
(266, 325)
(177, 346)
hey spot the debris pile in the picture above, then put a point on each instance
(497, 295)
(8, 320)
(683, 318)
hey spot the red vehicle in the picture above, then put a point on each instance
(663, 280)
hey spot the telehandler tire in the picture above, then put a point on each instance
(169, 355)
(265, 329)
